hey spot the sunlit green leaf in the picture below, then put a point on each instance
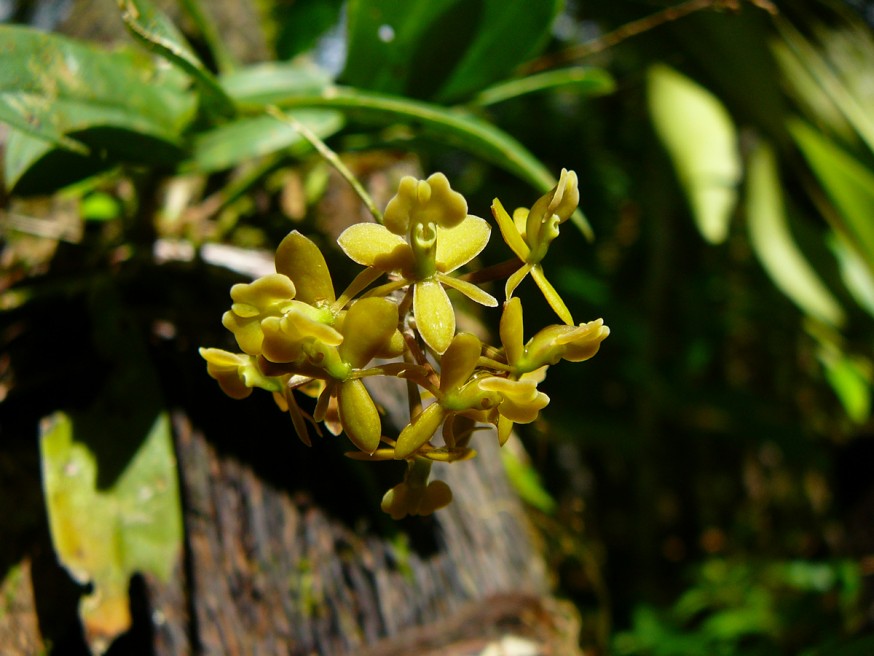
(701, 140)
(857, 276)
(833, 77)
(851, 384)
(526, 481)
(106, 530)
(774, 245)
(579, 79)
(245, 138)
(848, 183)
(81, 98)
(271, 82)
(156, 31)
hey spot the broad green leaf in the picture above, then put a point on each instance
(448, 126)
(848, 183)
(245, 138)
(445, 49)
(774, 246)
(103, 534)
(156, 31)
(580, 79)
(270, 82)
(701, 139)
(80, 98)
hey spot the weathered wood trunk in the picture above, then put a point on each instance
(286, 552)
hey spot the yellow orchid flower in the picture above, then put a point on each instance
(530, 232)
(458, 394)
(427, 235)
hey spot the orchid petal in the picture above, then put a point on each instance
(301, 260)
(264, 292)
(474, 293)
(368, 329)
(435, 317)
(552, 297)
(509, 231)
(359, 415)
(511, 330)
(516, 278)
(459, 245)
(371, 244)
(419, 431)
(459, 361)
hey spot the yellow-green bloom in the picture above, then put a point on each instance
(551, 344)
(427, 235)
(268, 296)
(530, 232)
(237, 373)
(405, 499)
(416, 495)
(458, 394)
(368, 330)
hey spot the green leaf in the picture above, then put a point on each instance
(701, 139)
(856, 275)
(103, 535)
(245, 138)
(302, 23)
(580, 79)
(832, 79)
(848, 183)
(271, 82)
(852, 386)
(443, 49)
(83, 99)
(156, 31)
(774, 246)
(526, 481)
(448, 126)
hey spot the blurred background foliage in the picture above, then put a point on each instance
(704, 485)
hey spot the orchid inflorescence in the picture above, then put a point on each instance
(297, 336)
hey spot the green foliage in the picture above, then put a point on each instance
(741, 364)
(749, 608)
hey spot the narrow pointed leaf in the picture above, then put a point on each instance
(848, 183)
(774, 245)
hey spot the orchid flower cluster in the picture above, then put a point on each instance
(298, 337)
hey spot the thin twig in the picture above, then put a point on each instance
(634, 28)
(329, 155)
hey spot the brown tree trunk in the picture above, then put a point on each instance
(268, 569)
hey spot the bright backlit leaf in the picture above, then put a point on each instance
(774, 245)
(701, 139)
(105, 531)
